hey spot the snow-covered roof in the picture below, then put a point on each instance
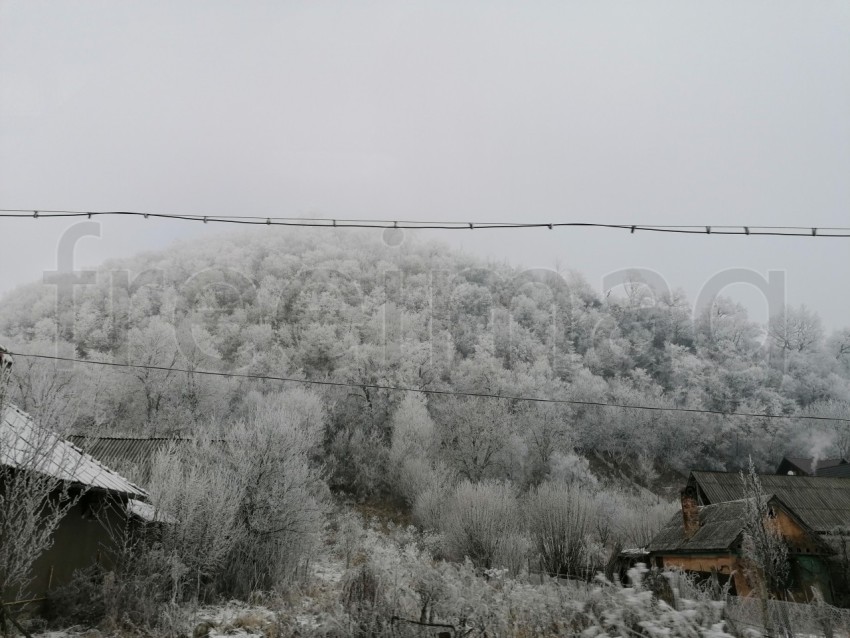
(25, 444)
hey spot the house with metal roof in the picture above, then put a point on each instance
(822, 503)
(705, 538)
(104, 498)
(707, 541)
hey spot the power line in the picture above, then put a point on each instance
(322, 222)
(374, 386)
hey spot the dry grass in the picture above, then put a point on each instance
(386, 514)
(252, 622)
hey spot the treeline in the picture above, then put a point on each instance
(344, 307)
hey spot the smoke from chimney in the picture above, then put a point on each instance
(819, 444)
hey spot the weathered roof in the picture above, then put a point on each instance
(720, 527)
(822, 503)
(720, 530)
(25, 444)
(836, 471)
(809, 466)
(132, 455)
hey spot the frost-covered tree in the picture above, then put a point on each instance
(764, 547)
(797, 329)
(475, 435)
(413, 451)
(33, 501)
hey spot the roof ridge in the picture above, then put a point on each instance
(767, 474)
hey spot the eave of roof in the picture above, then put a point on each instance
(58, 457)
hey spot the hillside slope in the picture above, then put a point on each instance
(346, 307)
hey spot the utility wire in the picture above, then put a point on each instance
(321, 222)
(374, 386)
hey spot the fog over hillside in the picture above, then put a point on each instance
(424, 319)
(352, 307)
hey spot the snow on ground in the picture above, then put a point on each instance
(236, 618)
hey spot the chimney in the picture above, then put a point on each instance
(690, 511)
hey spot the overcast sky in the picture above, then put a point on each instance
(669, 112)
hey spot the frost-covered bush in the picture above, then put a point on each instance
(359, 459)
(614, 610)
(628, 519)
(560, 521)
(282, 495)
(198, 504)
(480, 521)
(234, 516)
(570, 468)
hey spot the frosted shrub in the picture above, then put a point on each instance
(430, 504)
(32, 503)
(360, 462)
(560, 521)
(199, 502)
(282, 495)
(479, 519)
(570, 468)
(613, 610)
(414, 467)
(630, 520)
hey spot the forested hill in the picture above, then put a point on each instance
(343, 306)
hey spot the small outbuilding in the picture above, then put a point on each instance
(102, 498)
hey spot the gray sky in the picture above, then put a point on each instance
(669, 112)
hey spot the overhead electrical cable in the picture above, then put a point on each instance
(375, 386)
(322, 222)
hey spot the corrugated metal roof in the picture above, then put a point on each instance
(836, 471)
(809, 466)
(822, 503)
(133, 456)
(720, 527)
(25, 444)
